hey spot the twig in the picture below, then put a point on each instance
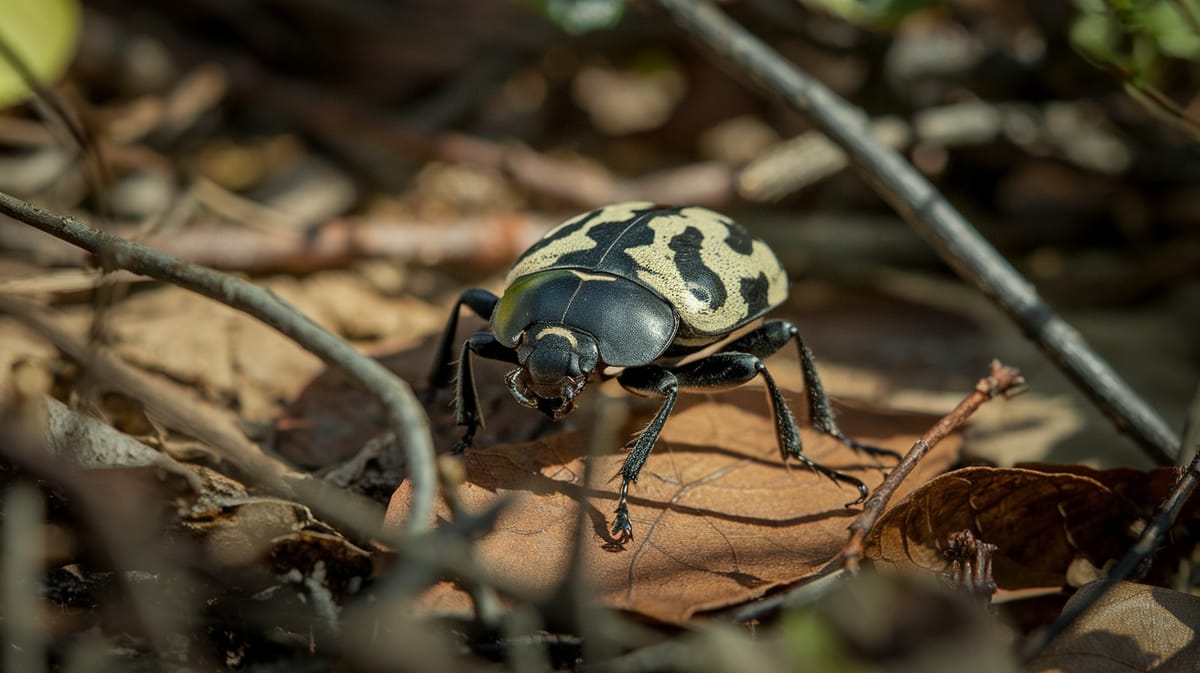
(489, 611)
(935, 219)
(487, 241)
(1191, 422)
(805, 593)
(119, 524)
(404, 412)
(796, 163)
(672, 655)
(177, 408)
(24, 523)
(1003, 380)
(1133, 563)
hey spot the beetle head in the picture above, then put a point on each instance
(556, 362)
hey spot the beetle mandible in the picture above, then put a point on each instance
(629, 290)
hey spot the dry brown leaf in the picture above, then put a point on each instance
(718, 518)
(228, 355)
(1144, 488)
(1134, 627)
(1041, 522)
(91, 443)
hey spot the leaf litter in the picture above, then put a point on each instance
(719, 519)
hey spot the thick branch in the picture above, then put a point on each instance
(405, 414)
(933, 218)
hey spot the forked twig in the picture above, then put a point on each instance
(1002, 381)
(405, 414)
(938, 222)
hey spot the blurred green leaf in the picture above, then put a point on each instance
(1137, 34)
(43, 35)
(1133, 39)
(812, 643)
(874, 12)
(581, 16)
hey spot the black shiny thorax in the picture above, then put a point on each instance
(631, 324)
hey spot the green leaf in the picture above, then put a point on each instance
(581, 16)
(42, 34)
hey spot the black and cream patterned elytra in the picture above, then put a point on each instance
(715, 274)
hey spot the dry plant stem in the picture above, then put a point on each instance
(934, 219)
(1002, 380)
(489, 612)
(180, 409)
(124, 533)
(168, 403)
(24, 521)
(1133, 564)
(404, 412)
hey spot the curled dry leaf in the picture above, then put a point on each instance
(1040, 522)
(718, 518)
(1147, 489)
(1134, 627)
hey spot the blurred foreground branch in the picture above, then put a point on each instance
(934, 219)
(404, 412)
(1133, 565)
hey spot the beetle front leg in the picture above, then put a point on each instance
(482, 303)
(466, 398)
(650, 381)
(774, 335)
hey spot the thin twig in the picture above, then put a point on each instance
(1133, 563)
(933, 218)
(23, 532)
(177, 407)
(1003, 380)
(405, 414)
(805, 593)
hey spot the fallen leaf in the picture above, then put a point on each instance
(1040, 522)
(1146, 490)
(93, 444)
(718, 518)
(227, 355)
(1133, 627)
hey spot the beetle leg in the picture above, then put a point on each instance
(769, 338)
(655, 381)
(728, 369)
(482, 303)
(466, 407)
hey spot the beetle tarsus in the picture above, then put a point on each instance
(869, 449)
(467, 439)
(622, 529)
(835, 476)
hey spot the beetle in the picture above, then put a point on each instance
(631, 290)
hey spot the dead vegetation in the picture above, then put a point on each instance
(248, 483)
